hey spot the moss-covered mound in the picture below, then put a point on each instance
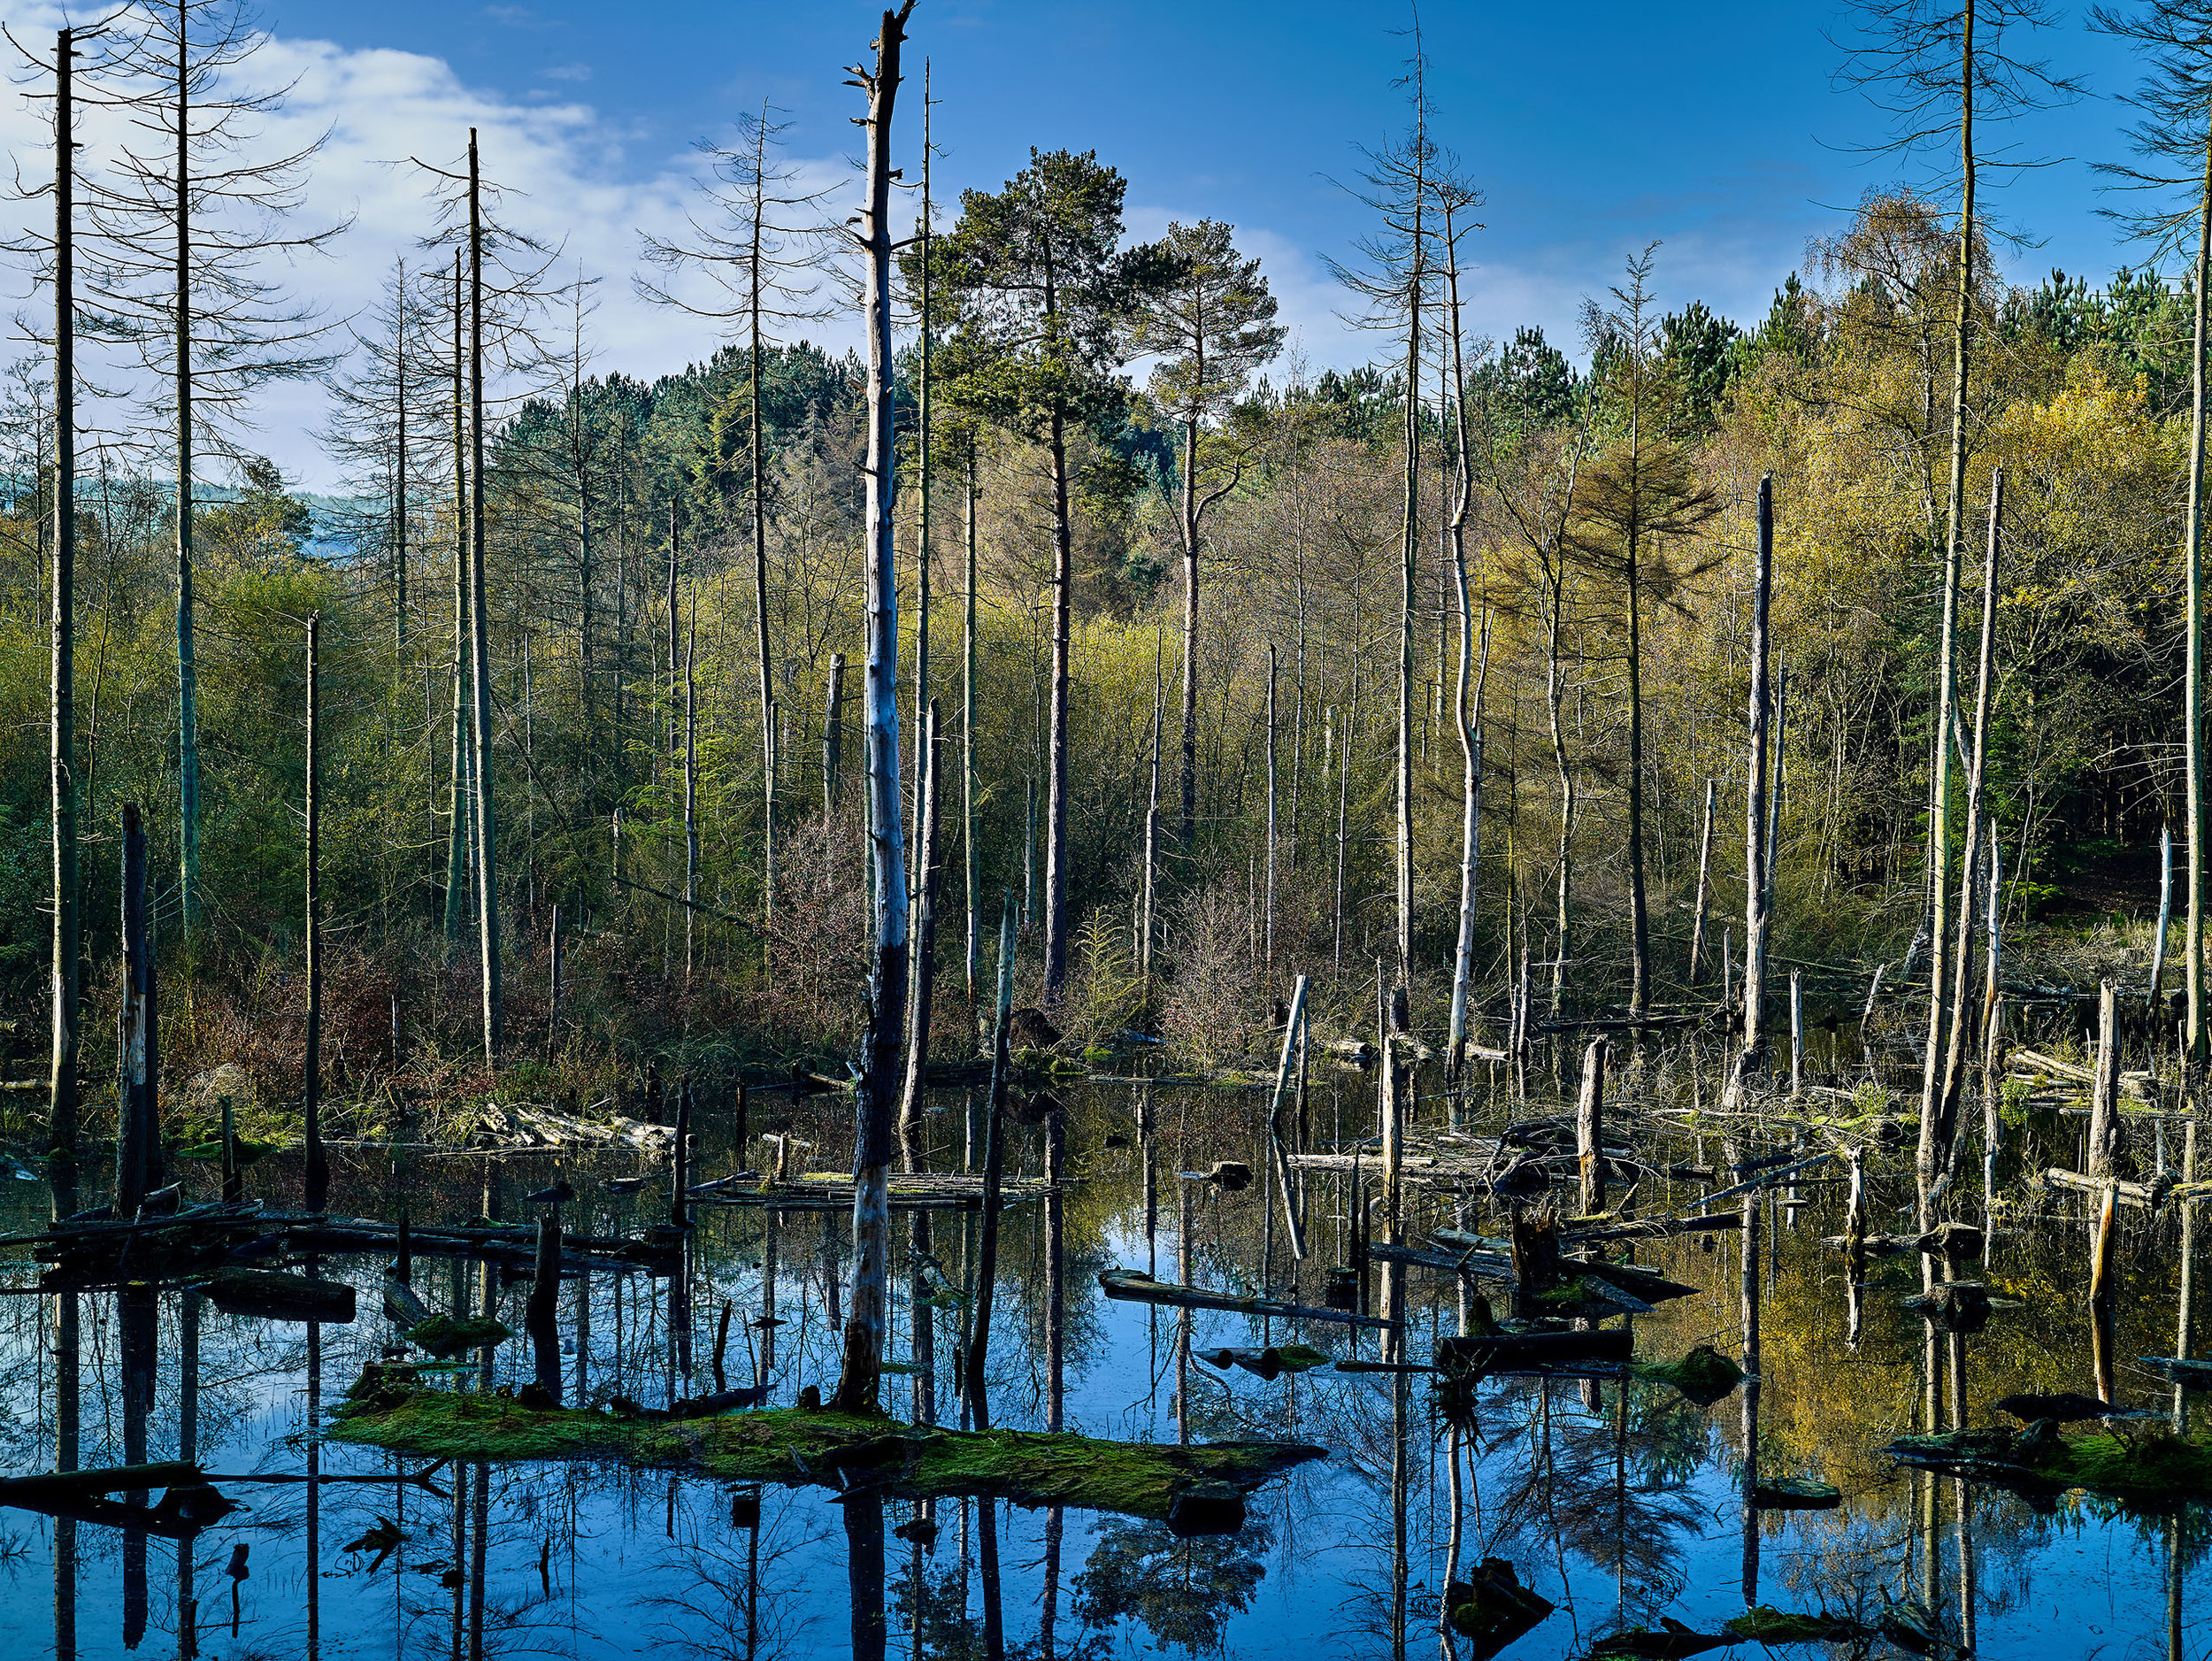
(2150, 1469)
(1704, 1375)
(794, 1447)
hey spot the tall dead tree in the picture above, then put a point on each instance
(317, 1179)
(875, 1098)
(187, 225)
(1751, 1061)
(757, 253)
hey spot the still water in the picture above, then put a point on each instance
(1618, 1500)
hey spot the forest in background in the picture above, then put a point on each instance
(1270, 781)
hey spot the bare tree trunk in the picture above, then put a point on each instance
(187, 661)
(1704, 882)
(759, 459)
(1189, 527)
(317, 1178)
(138, 1170)
(1751, 1062)
(1554, 689)
(1057, 756)
(62, 727)
(1147, 901)
(922, 998)
(691, 793)
(969, 823)
(874, 1102)
(1268, 956)
(457, 867)
(1962, 1025)
(1934, 1152)
(2193, 722)
(1639, 904)
(833, 739)
(479, 637)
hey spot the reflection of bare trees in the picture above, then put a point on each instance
(739, 1596)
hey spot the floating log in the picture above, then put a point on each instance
(272, 1295)
(1488, 1352)
(915, 1191)
(1128, 1286)
(1492, 1609)
(113, 1479)
(1482, 1266)
(794, 1447)
(1794, 1494)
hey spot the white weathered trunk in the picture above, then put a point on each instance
(875, 1099)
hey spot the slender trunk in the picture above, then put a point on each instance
(1554, 690)
(924, 733)
(1704, 882)
(874, 1099)
(138, 1165)
(1962, 1027)
(1189, 527)
(62, 760)
(2193, 722)
(970, 824)
(1465, 719)
(1057, 756)
(1751, 1062)
(1268, 955)
(317, 1178)
(399, 469)
(758, 460)
(1638, 911)
(187, 662)
(832, 738)
(480, 638)
(921, 998)
(1934, 1151)
(1148, 899)
(691, 792)
(457, 864)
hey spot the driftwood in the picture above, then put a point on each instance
(1127, 1285)
(1653, 1229)
(519, 1125)
(915, 1191)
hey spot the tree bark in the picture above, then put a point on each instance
(317, 1175)
(973, 1393)
(2193, 722)
(458, 794)
(188, 663)
(1935, 1150)
(61, 741)
(1751, 1062)
(138, 1168)
(480, 638)
(1704, 880)
(874, 1099)
(921, 998)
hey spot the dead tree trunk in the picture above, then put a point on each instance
(1590, 1128)
(1751, 1061)
(874, 1103)
(921, 998)
(138, 1170)
(832, 738)
(479, 637)
(1704, 882)
(316, 1176)
(62, 769)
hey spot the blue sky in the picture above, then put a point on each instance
(1716, 129)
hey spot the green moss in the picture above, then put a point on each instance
(2151, 1470)
(1763, 1624)
(444, 1335)
(794, 1447)
(1704, 1375)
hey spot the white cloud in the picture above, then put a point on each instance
(568, 71)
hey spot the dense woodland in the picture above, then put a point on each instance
(1186, 608)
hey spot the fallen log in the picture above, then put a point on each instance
(1487, 1352)
(796, 1446)
(113, 1479)
(272, 1295)
(2145, 1195)
(1481, 1265)
(1657, 1227)
(1127, 1285)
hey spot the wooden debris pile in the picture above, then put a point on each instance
(520, 1124)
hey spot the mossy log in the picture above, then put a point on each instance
(2153, 1470)
(796, 1446)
